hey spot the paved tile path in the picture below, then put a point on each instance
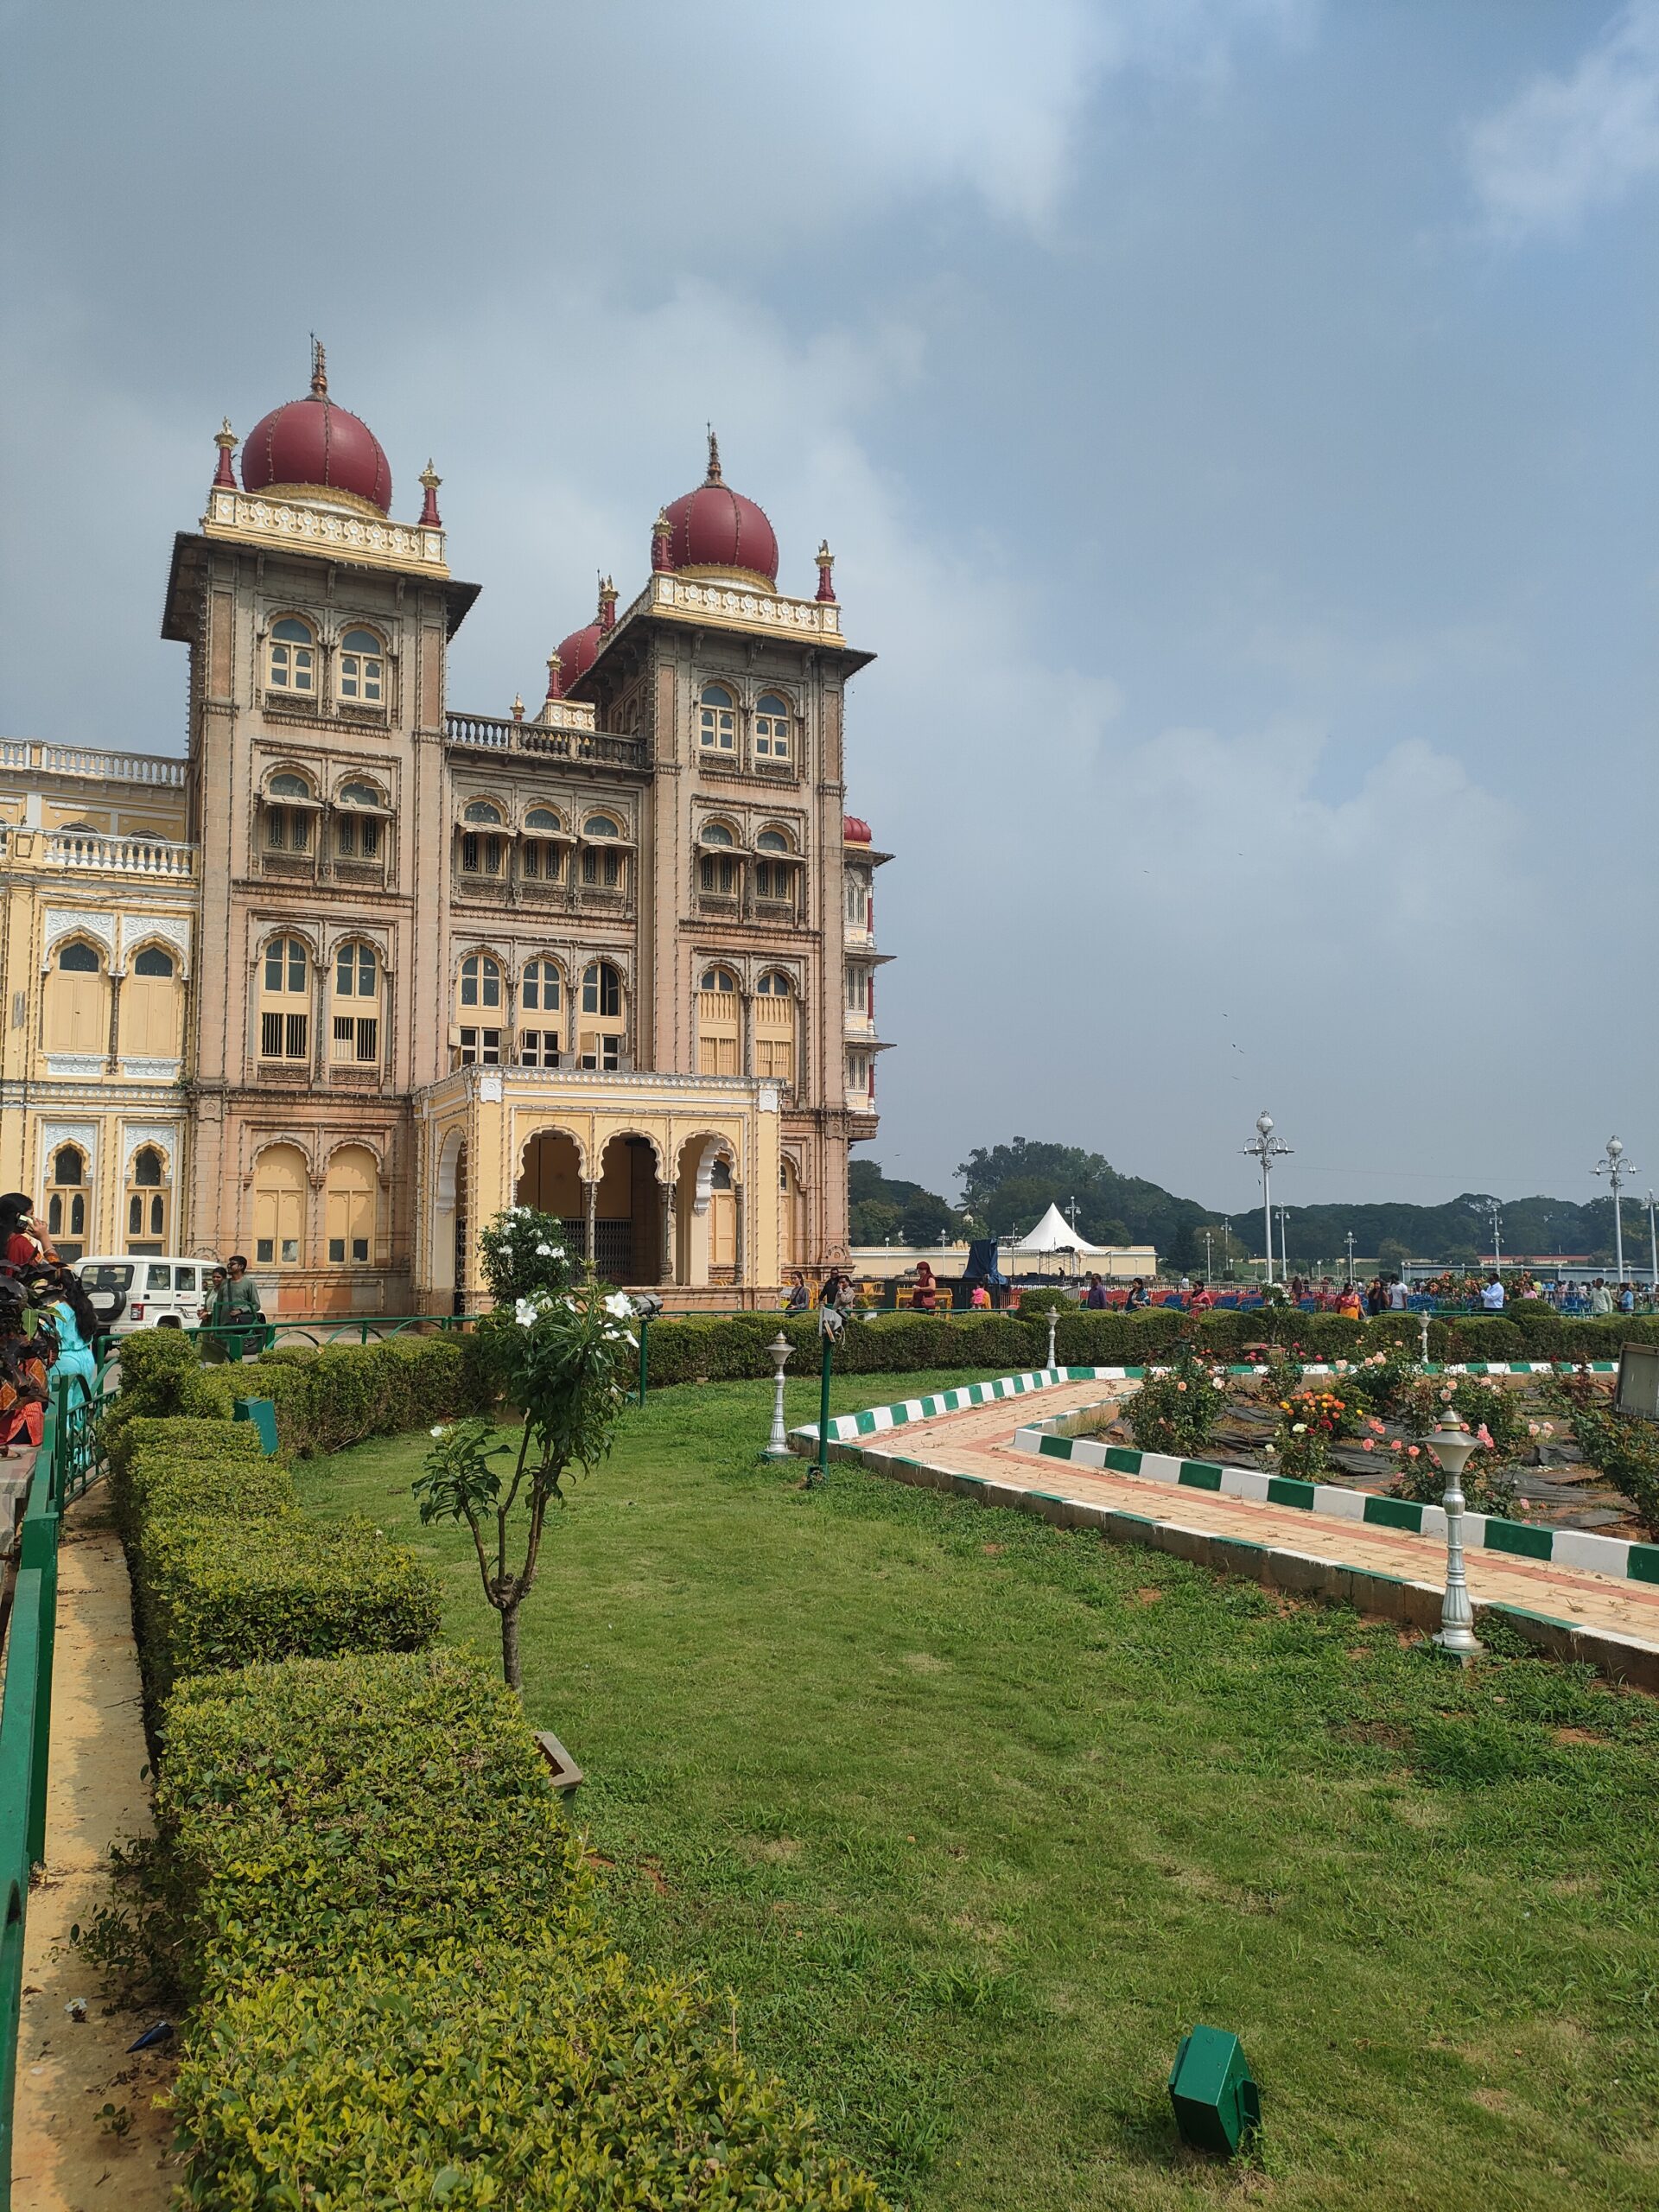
(979, 1442)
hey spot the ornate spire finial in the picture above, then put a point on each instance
(430, 478)
(555, 677)
(826, 561)
(517, 707)
(226, 440)
(318, 369)
(607, 605)
(662, 552)
(714, 475)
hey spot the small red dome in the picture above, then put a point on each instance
(853, 831)
(577, 653)
(313, 441)
(714, 527)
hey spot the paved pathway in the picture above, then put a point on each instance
(979, 1441)
(64, 2158)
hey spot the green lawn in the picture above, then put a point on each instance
(973, 1817)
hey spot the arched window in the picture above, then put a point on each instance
(77, 1001)
(480, 855)
(350, 1207)
(66, 1202)
(541, 1002)
(717, 870)
(285, 1001)
(152, 1006)
(541, 860)
(601, 1045)
(717, 719)
(146, 1201)
(722, 1218)
(282, 1187)
(602, 865)
(720, 1015)
(858, 899)
(357, 837)
(288, 826)
(480, 1011)
(773, 879)
(774, 1027)
(772, 737)
(291, 657)
(362, 668)
(357, 1006)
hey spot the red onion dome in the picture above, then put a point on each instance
(718, 530)
(312, 444)
(578, 652)
(853, 831)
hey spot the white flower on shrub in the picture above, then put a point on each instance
(618, 1307)
(439, 1431)
(527, 1312)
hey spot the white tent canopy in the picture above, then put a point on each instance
(1053, 1233)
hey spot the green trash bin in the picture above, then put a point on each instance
(261, 1411)
(1213, 2091)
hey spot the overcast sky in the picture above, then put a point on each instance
(1233, 420)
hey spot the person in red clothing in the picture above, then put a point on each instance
(927, 1296)
(21, 1244)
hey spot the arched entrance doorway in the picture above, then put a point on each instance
(550, 1179)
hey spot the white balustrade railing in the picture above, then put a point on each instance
(81, 848)
(156, 770)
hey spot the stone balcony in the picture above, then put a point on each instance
(153, 770)
(573, 738)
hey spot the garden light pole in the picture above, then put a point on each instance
(1053, 1323)
(1265, 1148)
(1497, 1220)
(778, 1442)
(1284, 1243)
(1227, 1244)
(1451, 1443)
(1619, 1171)
(1209, 1262)
(1349, 1241)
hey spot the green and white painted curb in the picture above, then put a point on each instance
(847, 1428)
(1481, 1531)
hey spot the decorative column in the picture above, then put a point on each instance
(741, 1231)
(590, 1213)
(670, 1208)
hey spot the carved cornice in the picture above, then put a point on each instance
(310, 526)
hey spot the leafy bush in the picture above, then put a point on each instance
(346, 1393)
(1309, 1420)
(524, 1252)
(221, 1593)
(550, 2076)
(1625, 1451)
(1177, 1412)
(355, 1810)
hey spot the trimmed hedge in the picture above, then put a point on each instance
(735, 1348)
(550, 2076)
(214, 1594)
(403, 1995)
(357, 1811)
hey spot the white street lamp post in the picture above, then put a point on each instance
(1452, 1445)
(1265, 1148)
(1053, 1323)
(1619, 1171)
(1209, 1259)
(778, 1442)
(1497, 1235)
(1348, 1240)
(1284, 1243)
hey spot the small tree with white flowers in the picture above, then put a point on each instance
(567, 1357)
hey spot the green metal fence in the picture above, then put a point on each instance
(68, 1461)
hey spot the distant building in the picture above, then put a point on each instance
(361, 970)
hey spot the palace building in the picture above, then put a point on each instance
(361, 969)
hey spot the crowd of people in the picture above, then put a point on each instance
(49, 1328)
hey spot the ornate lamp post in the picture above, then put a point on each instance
(1619, 1171)
(1053, 1323)
(1452, 1445)
(778, 1442)
(1265, 1148)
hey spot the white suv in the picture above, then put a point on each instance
(151, 1288)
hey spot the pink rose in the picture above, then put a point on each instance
(1368, 1445)
(1412, 1451)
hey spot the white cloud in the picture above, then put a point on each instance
(1569, 145)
